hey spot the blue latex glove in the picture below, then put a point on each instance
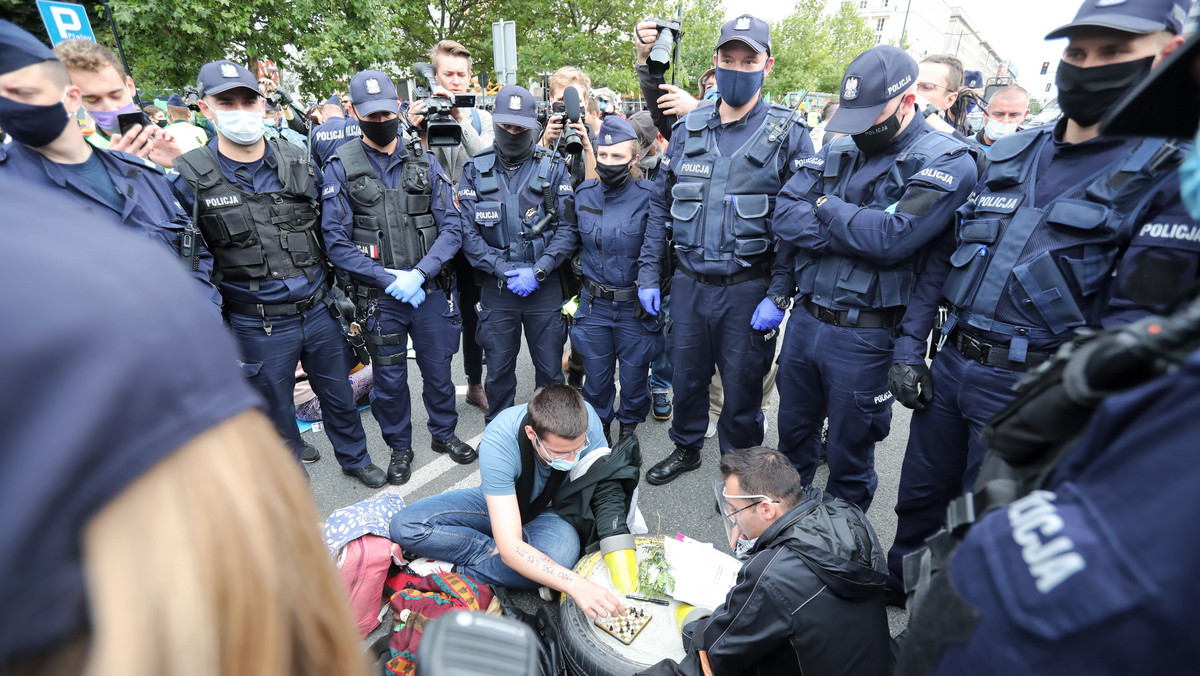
(766, 316)
(651, 300)
(521, 281)
(418, 298)
(406, 286)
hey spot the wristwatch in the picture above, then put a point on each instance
(539, 274)
(784, 303)
(820, 200)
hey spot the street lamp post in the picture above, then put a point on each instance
(904, 26)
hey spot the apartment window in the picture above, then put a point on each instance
(879, 26)
(885, 3)
(862, 4)
(878, 38)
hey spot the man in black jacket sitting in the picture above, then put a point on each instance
(810, 598)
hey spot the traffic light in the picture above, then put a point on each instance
(1048, 85)
(1045, 67)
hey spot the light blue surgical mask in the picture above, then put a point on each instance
(1189, 181)
(562, 464)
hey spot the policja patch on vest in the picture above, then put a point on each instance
(698, 169)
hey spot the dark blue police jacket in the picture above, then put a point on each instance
(1096, 573)
(612, 226)
(327, 137)
(337, 217)
(264, 177)
(150, 208)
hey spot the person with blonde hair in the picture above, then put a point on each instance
(153, 525)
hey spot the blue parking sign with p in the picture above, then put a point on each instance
(65, 21)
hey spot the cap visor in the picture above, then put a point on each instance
(1118, 22)
(757, 47)
(367, 107)
(519, 120)
(1165, 105)
(854, 120)
(226, 86)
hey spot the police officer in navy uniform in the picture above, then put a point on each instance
(517, 245)
(389, 222)
(610, 325)
(858, 219)
(716, 190)
(256, 203)
(1034, 256)
(327, 137)
(1089, 574)
(38, 104)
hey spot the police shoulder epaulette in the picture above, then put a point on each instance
(645, 184)
(587, 184)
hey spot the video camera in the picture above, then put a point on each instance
(666, 45)
(569, 107)
(441, 129)
(191, 97)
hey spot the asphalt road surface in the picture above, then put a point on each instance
(683, 506)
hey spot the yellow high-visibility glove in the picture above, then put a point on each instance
(620, 557)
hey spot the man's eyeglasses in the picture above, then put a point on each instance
(563, 454)
(929, 87)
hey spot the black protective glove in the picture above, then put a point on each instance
(911, 384)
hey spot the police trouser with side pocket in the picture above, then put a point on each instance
(435, 340)
(945, 448)
(606, 333)
(838, 372)
(315, 340)
(502, 315)
(711, 329)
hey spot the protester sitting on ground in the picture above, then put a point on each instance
(308, 405)
(810, 598)
(153, 524)
(526, 524)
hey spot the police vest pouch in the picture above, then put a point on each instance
(749, 224)
(985, 230)
(299, 245)
(1077, 215)
(487, 214)
(1046, 292)
(247, 260)
(968, 262)
(226, 228)
(365, 191)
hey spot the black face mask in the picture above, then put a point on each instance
(380, 133)
(1086, 94)
(877, 138)
(34, 126)
(612, 175)
(513, 149)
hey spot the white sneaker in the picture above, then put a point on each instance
(712, 429)
(427, 566)
(547, 594)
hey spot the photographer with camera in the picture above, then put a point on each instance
(578, 144)
(451, 66)
(655, 39)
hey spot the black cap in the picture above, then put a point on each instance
(748, 29)
(1131, 16)
(19, 49)
(372, 91)
(1165, 104)
(223, 75)
(872, 79)
(87, 405)
(515, 105)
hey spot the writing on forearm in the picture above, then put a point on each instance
(543, 563)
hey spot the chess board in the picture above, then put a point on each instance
(625, 628)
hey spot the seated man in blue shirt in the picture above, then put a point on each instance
(524, 527)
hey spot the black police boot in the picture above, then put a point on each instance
(371, 476)
(575, 378)
(400, 468)
(681, 460)
(310, 454)
(458, 449)
(627, 430)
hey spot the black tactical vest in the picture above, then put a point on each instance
(392, 226)
(257, 236)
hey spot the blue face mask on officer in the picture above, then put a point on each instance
(33, 125)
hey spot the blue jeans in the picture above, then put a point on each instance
(455, 527)
(661, 371)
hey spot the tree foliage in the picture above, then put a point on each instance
(324, 42)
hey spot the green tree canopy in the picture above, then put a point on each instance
(813, 50)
